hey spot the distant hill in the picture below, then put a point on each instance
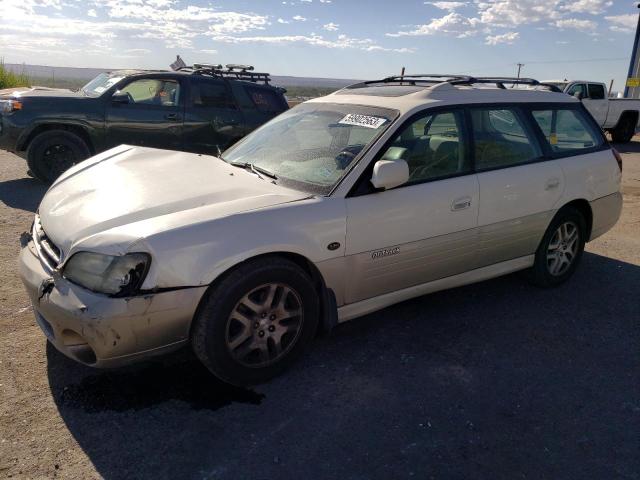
(72, 73)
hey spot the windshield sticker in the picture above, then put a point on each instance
(362, 120)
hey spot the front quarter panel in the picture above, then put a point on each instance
(196, 254)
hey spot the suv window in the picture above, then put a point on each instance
(596, 92)
(265, 100)
(578, 87)
(211, 95)
(432, 146)
(501, 139)
(152, 91)
(566, 130)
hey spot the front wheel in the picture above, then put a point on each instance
(560, 250)
(256, 321)
(53, 152)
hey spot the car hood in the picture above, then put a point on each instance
(128, 184)
(29, 92)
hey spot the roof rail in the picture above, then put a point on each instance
(231, 70)
(431, 79)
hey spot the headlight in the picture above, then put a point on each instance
(116, 276)
(8, 106)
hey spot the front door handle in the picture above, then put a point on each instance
(552, 183)
(172, 116)
(461, 204)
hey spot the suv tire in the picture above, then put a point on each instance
(53, 152)
(560, 249)
(254, 322)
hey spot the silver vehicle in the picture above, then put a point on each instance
(343, 205)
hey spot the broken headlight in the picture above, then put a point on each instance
(113, 275)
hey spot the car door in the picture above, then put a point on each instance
(518, 190)
(213, 121)
(596, 102)
(146, 112)
(420, 231)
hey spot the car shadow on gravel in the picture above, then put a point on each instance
(22, 193)
(493, 380)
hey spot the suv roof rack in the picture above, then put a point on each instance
(231, 70)
(432, 79)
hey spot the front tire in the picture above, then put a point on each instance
(256, 321)
(53, 152)
(560, 250)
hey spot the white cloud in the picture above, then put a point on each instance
(507, 38)
(450, 6)
(282, 20)
(451, 24)
(575, 24)
(593, 7)
(92, 12)
(331, 27)
(623, 23)
(299, 18)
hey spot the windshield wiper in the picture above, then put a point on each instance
(254, 169)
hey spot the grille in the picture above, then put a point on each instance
(47, 251)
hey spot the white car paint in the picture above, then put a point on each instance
(198, 217)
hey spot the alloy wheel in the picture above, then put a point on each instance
(264, 325)
(563, 248)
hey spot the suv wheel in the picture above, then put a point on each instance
(623, 133)
(560, 250)
(53, 152)
(253, 323)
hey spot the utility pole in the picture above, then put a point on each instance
(520, 65)
(631, 89)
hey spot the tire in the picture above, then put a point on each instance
(53, 152)
(236, 328)
(624, 131)
(550, 268)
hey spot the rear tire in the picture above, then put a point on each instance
(624, 131)
(560, 249)
(256, 321)
(53, 152)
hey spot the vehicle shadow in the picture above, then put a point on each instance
(630, 147)
(493, 380)
(22, 193)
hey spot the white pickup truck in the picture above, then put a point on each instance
(618, 116)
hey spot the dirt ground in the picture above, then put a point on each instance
(494, 380)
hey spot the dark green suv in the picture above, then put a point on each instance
(202, 109)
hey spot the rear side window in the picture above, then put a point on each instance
(566, 130)
(596, 92)
(266, 100)
(501, 139)
(211, 95)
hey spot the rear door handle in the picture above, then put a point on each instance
(461, 204)
(552, 183)
(172, 116)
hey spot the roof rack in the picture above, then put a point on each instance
(231, 70)
(431, 79)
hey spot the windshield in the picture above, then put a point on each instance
(98, 85)
(313, 144)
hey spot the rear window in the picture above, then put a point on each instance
(266, 100)
(566, 130)
(596, 92)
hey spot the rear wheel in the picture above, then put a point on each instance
(53, 152)
(256, 321)
(560, 250)
(624, 131)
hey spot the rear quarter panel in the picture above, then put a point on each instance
(589, 177)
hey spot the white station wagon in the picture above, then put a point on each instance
(383, 191)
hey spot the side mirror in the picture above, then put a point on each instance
(119, 97)
(389, 174)
(578, 95)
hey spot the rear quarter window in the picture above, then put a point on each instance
(566, 131)
(266, 100)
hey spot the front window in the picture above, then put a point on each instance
(100, 84)
(153, 91)
(312, 145)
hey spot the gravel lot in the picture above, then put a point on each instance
(494, 380)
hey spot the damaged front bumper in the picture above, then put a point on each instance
(102, 331)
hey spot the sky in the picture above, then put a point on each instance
(586, 39)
